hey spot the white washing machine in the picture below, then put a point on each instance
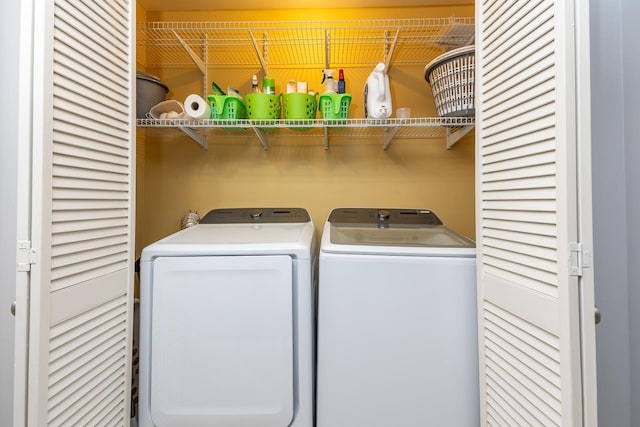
(397, 328)
(227, 318)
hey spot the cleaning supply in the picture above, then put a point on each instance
(327, 76)
(342, 87)
(269, 86)
(377, 94)
(254, 84)
(234, 93)
(217, 90)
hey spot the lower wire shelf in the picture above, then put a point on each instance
(449, 128)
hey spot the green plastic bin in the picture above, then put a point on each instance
(262, 106)
(226, 107)
(299, 109)
(334, 106)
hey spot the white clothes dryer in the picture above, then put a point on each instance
(227, 321)
(397, 328)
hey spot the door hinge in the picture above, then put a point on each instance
(26, 255)
(579, 259)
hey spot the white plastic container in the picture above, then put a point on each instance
(377, 94)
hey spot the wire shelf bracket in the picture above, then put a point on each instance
(261, 55)
(389, 50)
(200, 63)
(454, 136)
(262, 136)
(202, 140)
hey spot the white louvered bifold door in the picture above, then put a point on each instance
(81, 283)
(528, 216)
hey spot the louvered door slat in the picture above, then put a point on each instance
(68, 75)
(100, 36)
(82, 235)
(70, 58)
(83, 142)
(63, 160)
(542, 238)
(87, 205)
(535, 129)
(519, 147)
(96, 107)
(78, 119)
(536, 249)
(69, 148)
(93, 224)
(534, 230)
(71, 184)
(107, 142)
(85, 350)
(87, 173)
(517, 194)
(540, 374)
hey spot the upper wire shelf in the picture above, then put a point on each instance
(310, 44)
(452, 128)
(409, 123)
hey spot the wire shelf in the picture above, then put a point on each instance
(285, 44)
(421, 126)
(450, 128)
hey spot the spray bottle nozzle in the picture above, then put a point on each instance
(327, 72)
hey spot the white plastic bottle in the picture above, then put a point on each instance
(327, 79)
(254, 84)
(377, 94)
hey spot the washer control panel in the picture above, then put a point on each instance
(377, 217)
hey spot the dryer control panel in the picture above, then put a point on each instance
(256, 215)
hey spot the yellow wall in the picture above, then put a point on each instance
(178, 175)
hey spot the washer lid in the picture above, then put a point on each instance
(435, 236)
(350, 230)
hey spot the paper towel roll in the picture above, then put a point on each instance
(196, 107)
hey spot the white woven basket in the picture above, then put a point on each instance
(452, 80)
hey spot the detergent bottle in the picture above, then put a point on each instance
(377, 95)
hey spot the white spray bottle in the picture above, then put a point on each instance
(330, 85)
(377, 94)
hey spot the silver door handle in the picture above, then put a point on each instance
(13, 307)
(598, 315)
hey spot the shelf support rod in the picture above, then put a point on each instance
(202, 140)
(261, 57)
(389, 133)
(326, 138)
(205, 79)
(327, 52)
(194, 57)
(454, 136)
(262, 137)
(390, 51)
